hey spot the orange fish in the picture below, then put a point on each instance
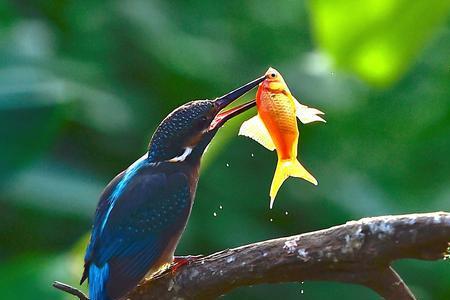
(275, 127)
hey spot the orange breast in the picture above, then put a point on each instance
(278, 114)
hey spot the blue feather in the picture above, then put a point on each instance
(97, 281)
(139, 213)
(129, 173)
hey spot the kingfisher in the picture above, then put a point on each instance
(144, 210)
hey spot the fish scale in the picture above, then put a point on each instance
(278, 115)
(275, 127)
(284, 111)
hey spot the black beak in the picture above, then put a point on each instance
(227, 99)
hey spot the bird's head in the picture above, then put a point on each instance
(187, 131)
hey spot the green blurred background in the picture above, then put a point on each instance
(83, 84)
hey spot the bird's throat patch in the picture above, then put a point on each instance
(183, 156)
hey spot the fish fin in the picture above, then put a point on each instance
(286, 168)
(255, 129)
(307, 114)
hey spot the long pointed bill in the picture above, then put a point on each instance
(227, 99)
(222, 117)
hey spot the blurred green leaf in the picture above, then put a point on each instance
(377, 39)
(32, 110)
(83, 84)
(30, 278)
(39, 186)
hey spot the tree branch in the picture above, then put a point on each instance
(388, 284)
(70, 290)
(358, 252)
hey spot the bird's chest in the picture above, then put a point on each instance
(155, 203)
(166, 211)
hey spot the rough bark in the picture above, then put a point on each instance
(358, 252)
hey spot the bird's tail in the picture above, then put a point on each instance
(97, 282)
(286, 168)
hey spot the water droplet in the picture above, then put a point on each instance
(253, 155)
(286, 213)
(271, 220)
(301, 292)
(215, 214)
(228, 164)
(220, 207)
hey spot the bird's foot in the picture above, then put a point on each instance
(180, 261)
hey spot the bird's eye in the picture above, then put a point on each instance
(202, 122)
(273, 75)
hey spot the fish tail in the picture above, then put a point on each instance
(286, 168)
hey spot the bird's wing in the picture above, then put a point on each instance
(143, 220)
(100, 212)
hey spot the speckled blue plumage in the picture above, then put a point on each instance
(139, 213)
(144, 210)
(178, 126)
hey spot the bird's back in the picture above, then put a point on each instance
(137, 226)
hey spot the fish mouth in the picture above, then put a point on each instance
(224, 101)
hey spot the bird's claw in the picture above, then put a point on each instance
(180, 261)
